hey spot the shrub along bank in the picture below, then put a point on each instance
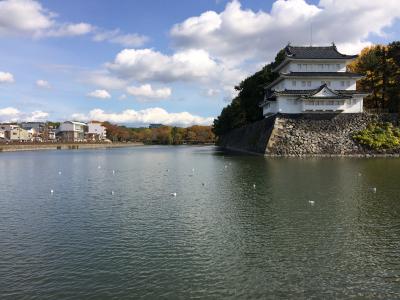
(379, 136)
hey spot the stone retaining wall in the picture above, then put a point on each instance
(306, 135)
(251, 138)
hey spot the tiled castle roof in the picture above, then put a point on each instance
(311, 52)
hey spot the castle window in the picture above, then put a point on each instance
(327, 67)
(338, 66)
(293, 82)
(308, 83)
(342, 83)
(348, 83)
(299, 66)
(303, 83)
(305, 67)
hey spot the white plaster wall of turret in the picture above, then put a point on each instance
(315, 66)
(302, 83)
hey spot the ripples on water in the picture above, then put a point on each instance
(122, 235)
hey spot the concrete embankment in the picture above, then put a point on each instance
(62, 146)
(307, 135)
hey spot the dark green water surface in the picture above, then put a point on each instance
(122, 235)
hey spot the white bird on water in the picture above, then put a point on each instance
(51, 192)
(112, 192)
(113, 171)
(254, 186)
(99, 167)
(311, 202)
(59, 172)
(373, 189)
(173, 194)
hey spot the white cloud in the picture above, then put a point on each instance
(43, 84)
(69, 30)
(122, 97)
(11, 114)
(99, 94)
(115, 36)
(23, 17)
(144, 117)
(212, 92)
(190, 65)
(29, 17)
(35, 116)
(147, 64)
(6, 77)
(105, 80)
(146, 92)
(236, 34)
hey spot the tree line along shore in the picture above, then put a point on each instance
(113, 134)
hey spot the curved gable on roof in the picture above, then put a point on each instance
(311, 52)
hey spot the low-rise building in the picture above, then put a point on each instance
(18, 134)
(2, 135)
(72, 131)
(13, 133)
(50, 134)
(39, 127)
(96, 131)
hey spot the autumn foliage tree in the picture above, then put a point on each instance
(380, 65)
(165, 135)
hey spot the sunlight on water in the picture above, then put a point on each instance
(182, 222)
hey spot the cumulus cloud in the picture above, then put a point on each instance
(105, 80)
(192, 65)
(115, 36)
(146, 92)
(23, 17)
(99, 94)
(29, 17)
(6, 77)
(145, 117)
(147, 64)
(43, 84)
(11, 114)
(236, 34)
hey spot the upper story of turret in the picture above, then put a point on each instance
(310, 67)
(313, 59)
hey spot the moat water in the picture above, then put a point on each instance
(239, 227)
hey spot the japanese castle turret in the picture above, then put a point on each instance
(313, 80)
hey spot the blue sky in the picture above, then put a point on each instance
(174, 62)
